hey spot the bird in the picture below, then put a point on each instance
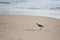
(39, 25)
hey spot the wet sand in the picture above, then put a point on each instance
(20, 27)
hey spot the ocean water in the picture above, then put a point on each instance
(48, 8)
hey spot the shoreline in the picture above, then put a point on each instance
(29, 16)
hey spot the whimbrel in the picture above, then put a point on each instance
(39, 25)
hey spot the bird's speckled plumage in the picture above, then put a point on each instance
(39, 25)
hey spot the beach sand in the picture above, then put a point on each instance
(23, 27)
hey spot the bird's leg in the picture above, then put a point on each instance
(40, 29)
